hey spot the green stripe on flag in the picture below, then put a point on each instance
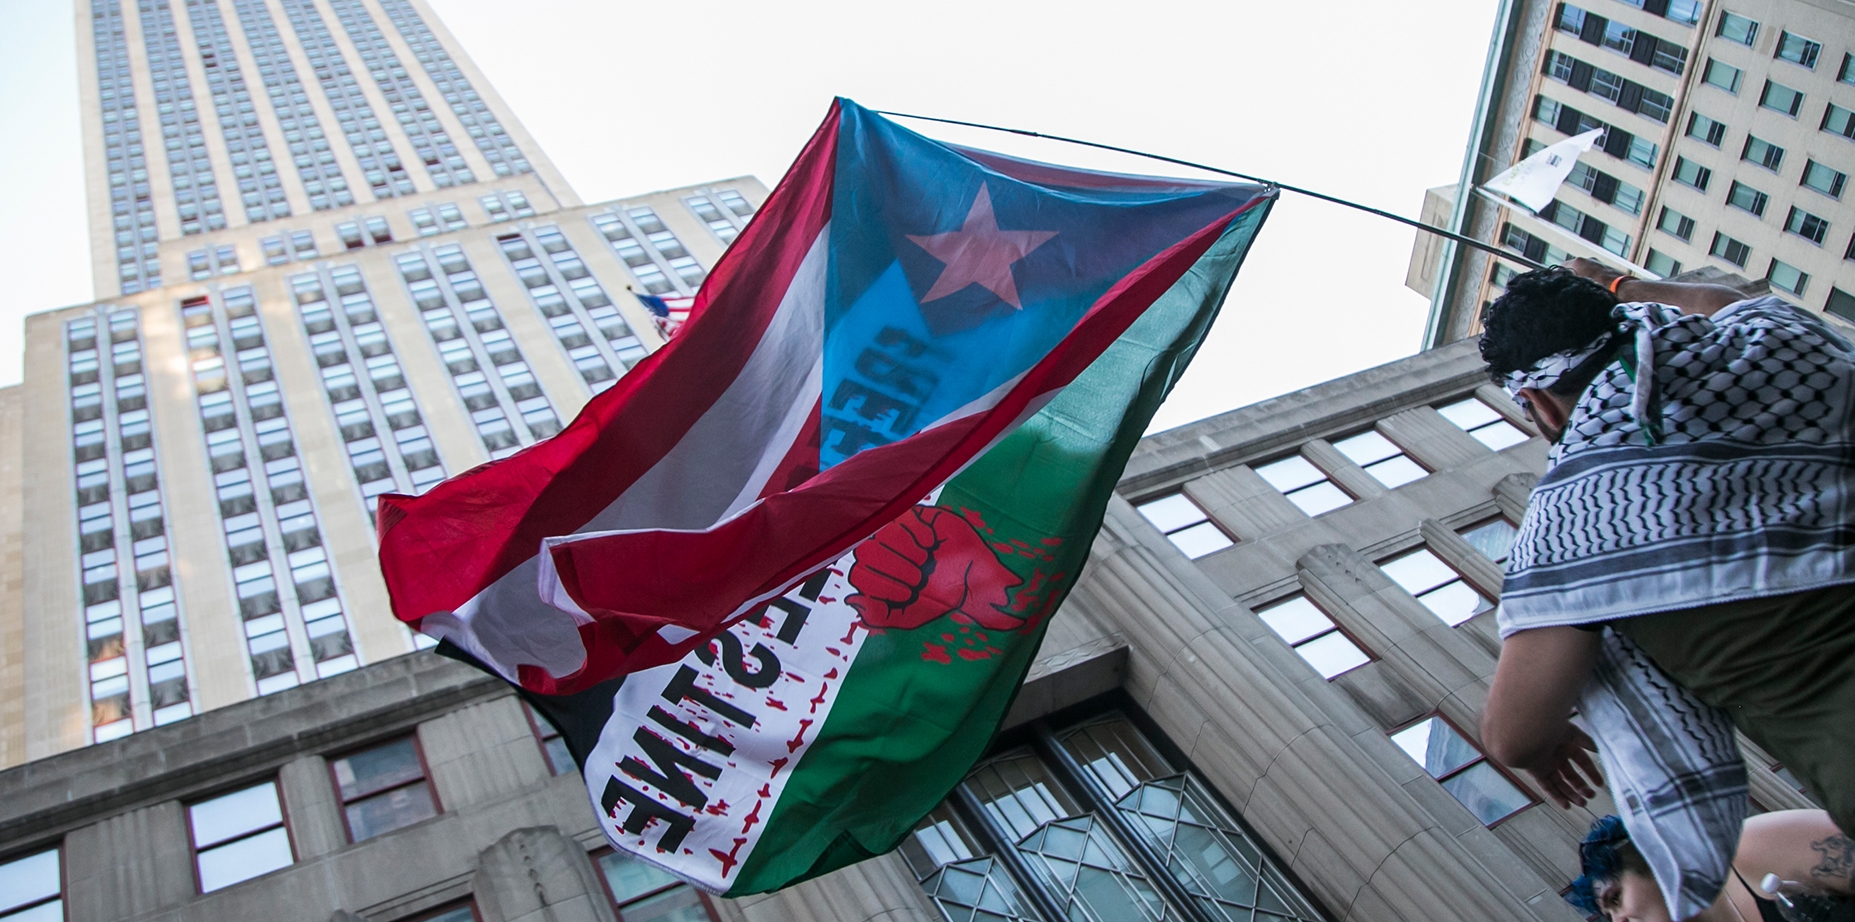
(918, 707)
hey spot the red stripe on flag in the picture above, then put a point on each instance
(702, 581)
(440, 549)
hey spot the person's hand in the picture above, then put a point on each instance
(1559, 775)
(1593, 270)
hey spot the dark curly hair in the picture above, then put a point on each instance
(1544, 312)
(1604, 855)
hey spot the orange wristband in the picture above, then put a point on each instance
(1618, 282)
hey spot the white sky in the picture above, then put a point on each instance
(1369, 101)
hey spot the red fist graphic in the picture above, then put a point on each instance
(929, 563)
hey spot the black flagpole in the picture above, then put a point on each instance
(1469, 241)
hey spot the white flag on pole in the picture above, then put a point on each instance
(1534, 181)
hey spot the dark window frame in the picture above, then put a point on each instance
(1339, 628)
(425, 775)
(1180, 491)
(605, 886)
(283, 810)
(1533, 799)
(536, 722)
(64, 881)
(453, 906)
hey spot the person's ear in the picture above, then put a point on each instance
(1548, 410)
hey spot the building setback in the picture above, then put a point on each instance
(1729, 146)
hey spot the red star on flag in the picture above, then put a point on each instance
(979, 253)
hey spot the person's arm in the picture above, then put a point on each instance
(1690, 297)
(1526, 722)
(1800, 845)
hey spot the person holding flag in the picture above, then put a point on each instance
(1684, 566)
(778, 585)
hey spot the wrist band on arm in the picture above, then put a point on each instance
(1618, 282)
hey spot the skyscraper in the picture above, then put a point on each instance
(337, 266)
(1729, 143)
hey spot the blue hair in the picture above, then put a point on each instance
(1599, 855)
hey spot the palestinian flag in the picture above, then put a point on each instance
(820, 730)
(897, 307)
(839, 662)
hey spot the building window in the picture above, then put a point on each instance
(275, 252)
(958, 875)
(1386, 462)
(1462, 770)
(1764, 153)
(1788, 277)
(1747, 198)
(1824, 179)
(383, 788)
(1676, 224)
(1314, 636)
(736, 203)
(1689, 173)
(32, 888)
(1798, 50)
(1482, 421)
(1806, 225)
(1605, 187)
(1706, 130)
(553, 745)
(1730, 250)
(1185, 525)
(717, 222)
(238, 836)
(1662, 264)
(1841, 303)
(1847, 73)
(1737, 28)
(1837, 120)
(1780, 98)
(1441, 589)
(464, 912)
(1304, 484)
(1724, 76)
(643, 892)
(1494, 538)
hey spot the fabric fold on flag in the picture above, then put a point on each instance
(897, 307)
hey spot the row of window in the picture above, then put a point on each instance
(470, 336)
(1685, 12)
(196, 195)
(132, 208)
(429, 140)
(365, 386)
(628, 234)
(496, 145)
(118, 484)
(260, 189)
(1796, 49)
(549, 283)
(1616, 142)
(1817, 176)
(267, 518)
(1634, 44)
(1628, 95)
(1779, 98)
(380, 164)
(316, 168)
(1587, 227)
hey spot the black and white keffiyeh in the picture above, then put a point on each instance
(1713, 461)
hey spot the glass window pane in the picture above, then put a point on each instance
(1332, 654)
(1487, 793)
(1116, 753)
(1499, 435)
(630, 878)
(1437, 747)
(1418, 572)
(1470, 414)
(1319, 498)
(234, 814)
(1493, 538)
(1295, 620)
(1366, 447)
(1291, 473)
(1398, 471)
(559, 760)
(44, 912)
(1172, 513)
(395, 809)
(680, 904)
(29, 879)
(244, 859)
(460, 914)
(1200, 539)
(383, 766)
(1019, 794)
(1455, 603)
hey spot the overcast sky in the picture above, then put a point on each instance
(1364, 100)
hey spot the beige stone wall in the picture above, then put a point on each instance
(12, 579)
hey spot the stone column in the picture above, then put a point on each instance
(538, 874)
